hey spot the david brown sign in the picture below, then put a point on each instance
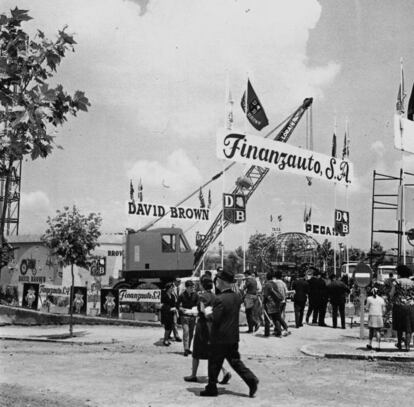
(126, 295)
(280, 156)
(342, 222)
(171, 212)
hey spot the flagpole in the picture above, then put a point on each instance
(245, 132)
(335, 238)
(346, 190)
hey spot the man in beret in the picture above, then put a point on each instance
(224, 337)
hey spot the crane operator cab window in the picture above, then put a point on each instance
(168, 243)
(183, 245)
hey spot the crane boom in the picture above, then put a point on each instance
(255, 174)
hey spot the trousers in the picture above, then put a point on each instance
(230, 352)
(188, 324)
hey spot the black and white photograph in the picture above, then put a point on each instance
(206, 203)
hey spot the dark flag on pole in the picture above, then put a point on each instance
(140, 191)
(345, 150)
(255, 112)
(131, 191)
(334, 145)
(410, 109)
(201, 198)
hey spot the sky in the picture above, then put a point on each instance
(157, 74)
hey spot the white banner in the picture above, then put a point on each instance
(126, 295)
(403, 134)
(275, 155)
(169, 212)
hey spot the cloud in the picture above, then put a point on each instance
(35, 201)
(35, 208)
(178, 172)
(166, 64)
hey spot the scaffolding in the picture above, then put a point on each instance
(12, 203)
(382, 201)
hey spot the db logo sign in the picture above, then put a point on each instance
(234, 208)
(341, 222)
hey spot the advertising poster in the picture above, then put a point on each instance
(79, 300)
(30, 297)
(109, 303)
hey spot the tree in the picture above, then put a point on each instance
(72, 236)
(256, 245)
(30, 108)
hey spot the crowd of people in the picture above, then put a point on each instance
(209, 316)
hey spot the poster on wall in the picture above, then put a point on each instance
(30, 297)
(79, 300)
(109, 303)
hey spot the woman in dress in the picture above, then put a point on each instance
(376, 309)
(168, 309)
(402, 296)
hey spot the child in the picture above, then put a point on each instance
(376, 309)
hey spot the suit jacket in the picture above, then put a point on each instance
(301, 288)
(337, 292)
(225, 319)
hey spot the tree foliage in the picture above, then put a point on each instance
(30, 107)
(72, 236)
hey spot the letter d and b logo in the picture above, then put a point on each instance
(234, 208)
(342, 222)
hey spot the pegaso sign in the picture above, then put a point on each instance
(280, 156)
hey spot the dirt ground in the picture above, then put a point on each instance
(137, 371)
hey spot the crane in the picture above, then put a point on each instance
(255, 175)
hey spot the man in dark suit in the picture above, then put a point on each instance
(224, 337)
(301, 288)
(338, 292)
(251, 302)
(314, 296)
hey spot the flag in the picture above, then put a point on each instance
(410, 109)
(334, 145)
(345, 150)
(201, 197)
(401, 95)
(307, 214)
(230, 119)
(271, 218)
(279, 218)
(209, 198)
(140, 191)
(131, 191)
(255, 112)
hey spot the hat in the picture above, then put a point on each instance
(189, 283)
(225, 275)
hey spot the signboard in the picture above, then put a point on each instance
(109, 303)
(362, 274)
(324, 230)
(79, 300)
(139, 295)
(169, 212)
(199, 238)
(342, 222)
(30, 295)
(234, 208)
(98, 266)
(280, 156)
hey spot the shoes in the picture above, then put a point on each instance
(166, 343)
(208, 393)
(256, 328)
(287, 333)
(226, 378)
(377, 349)
(278, 335)
(253, 388)
(250, 331)
(369, 347)
(187, 352)
(191, 379)
(398, 346)
(323, 324)
(178, 339)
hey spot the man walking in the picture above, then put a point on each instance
(314, 299)
(338, 292)
(271, 302)
(251, 302)
(186, 301)
(224, 338)
(301, 288)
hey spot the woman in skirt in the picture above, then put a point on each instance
(376, 309)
